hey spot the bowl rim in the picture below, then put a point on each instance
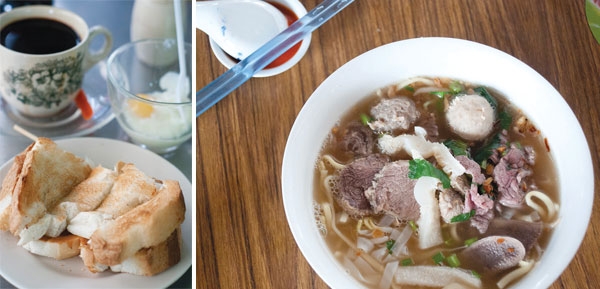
(301, 221)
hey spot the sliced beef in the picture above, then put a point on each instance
(451, 204)
(529, 155)
(526, 232)
(461, 184)
(493, 254)
(496, 155)
(393, 192)
(509, 175)
(354, 179)
(483, 206)
(395, 114)
(358, 139)
(472, 168)
(429, 123)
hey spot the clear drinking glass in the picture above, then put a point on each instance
(149, 99)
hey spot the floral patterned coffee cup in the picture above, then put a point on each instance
(41, 85)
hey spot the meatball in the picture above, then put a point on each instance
(470, 117)
(394, 114)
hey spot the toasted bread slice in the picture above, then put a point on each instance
(48, 174)
(86, 196)
(8, 186)
(147, 261)
(153, 260)
(59, 248)
(130, 189)
(144, 226)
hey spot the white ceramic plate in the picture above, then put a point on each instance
(26, 270)
(457, 59)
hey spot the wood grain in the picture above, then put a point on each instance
(243, 240)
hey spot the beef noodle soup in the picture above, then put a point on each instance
(436, 183)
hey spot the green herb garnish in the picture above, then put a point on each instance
(505, 119)
(469, 242)
(365, 119)
(422, 168)
(475, 274)
(457, 147)
(455, 87)
(413, 226)
(389, 245)
(439, 258)
(483, 92)
(409, 88)
(439, 94)
(453, 261)
(487, 150)
(463, 217)
(407, 262)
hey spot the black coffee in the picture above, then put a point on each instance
(38, 36)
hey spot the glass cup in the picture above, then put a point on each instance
(150, 100)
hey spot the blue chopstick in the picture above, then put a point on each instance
(245, 69)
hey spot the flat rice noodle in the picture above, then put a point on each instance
(364, 244)
(430, 230)
(380, 253)
(435, 276)
(380, 240)
(356, 272)
(455, 286)
(386, 221)
(399, 247)
(425, 81)
(420, 148)
(388, 275)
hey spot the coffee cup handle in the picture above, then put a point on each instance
(93, 57)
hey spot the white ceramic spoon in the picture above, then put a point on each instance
(239, 27)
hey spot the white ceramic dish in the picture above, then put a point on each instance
(296, 7)
(457, 59)
(26, 270)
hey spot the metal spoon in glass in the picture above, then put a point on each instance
(239, 27)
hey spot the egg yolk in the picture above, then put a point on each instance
(140, 108)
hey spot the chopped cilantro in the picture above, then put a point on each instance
(463, 217)
(505, 119)
(409, 88)
(421, 168)
(487, 150)
(457, 147)
(483, 92)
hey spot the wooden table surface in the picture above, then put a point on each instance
(243, 240)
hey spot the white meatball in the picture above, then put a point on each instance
(471, 117)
